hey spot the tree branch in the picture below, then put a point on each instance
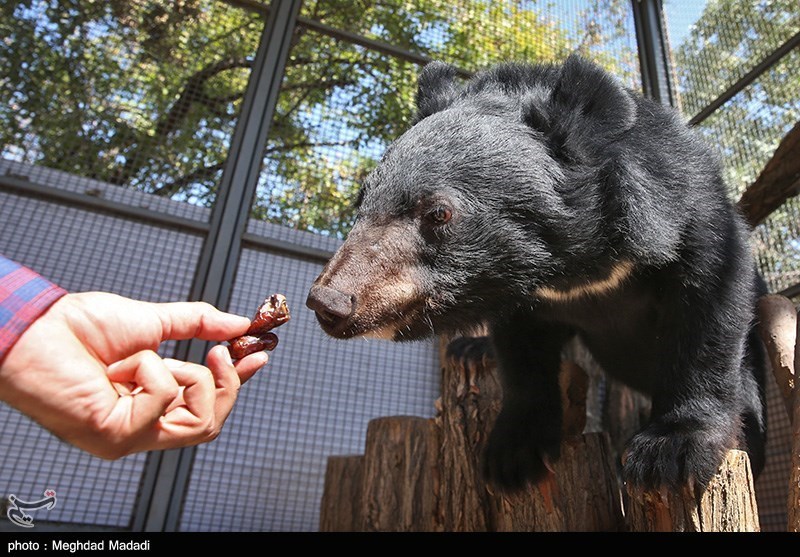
(195, 176)
(207, 171)
(192, 92)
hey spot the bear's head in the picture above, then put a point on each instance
(493, 193)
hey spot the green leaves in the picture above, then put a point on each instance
(146, 93)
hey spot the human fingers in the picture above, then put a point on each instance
(226, 381)
(191, 418)
(134, 415)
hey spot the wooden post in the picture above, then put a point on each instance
(400, 487)
(778, 327)
(340, 509)
(727, 505)
(470, 402)
(582, 494)
(793, 506)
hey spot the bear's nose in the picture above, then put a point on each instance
(330, 305)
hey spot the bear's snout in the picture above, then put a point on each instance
(331, 306)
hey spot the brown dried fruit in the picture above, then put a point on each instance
(273, 312)
(247, 344)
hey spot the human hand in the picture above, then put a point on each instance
(87, 370)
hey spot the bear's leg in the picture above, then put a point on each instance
(527, 434)
(697, 403)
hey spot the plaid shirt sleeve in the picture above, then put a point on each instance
(24, 296)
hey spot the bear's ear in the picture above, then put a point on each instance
(436, 88)
(586, 109)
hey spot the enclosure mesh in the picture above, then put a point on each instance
(80, 251)
(342, 104)
(143, 93)
(472, 34)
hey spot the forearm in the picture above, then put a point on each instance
(24, 296)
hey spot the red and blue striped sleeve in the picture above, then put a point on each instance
(24, 296)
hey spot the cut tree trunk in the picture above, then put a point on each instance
(581, 495)
(399, 491)
(728, 504)
(425, 474)
(341, 500)
(793, 522)
(778, 326)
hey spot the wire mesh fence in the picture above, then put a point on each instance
(714, 44)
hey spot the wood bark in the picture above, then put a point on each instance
(581, 495)
(400, 488)
(425, 474)
(471, 399)
(340, 509)
(778, 327)
(728, 504)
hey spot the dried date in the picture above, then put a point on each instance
(273, 312)
(247, 344)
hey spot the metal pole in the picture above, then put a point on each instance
(166, 475)
(653, 48)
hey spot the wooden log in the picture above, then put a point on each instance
(400, 487)
(793, 508)
(780, 329)
(471, 399)
(341, 504)
(626, 412)
(777, 318)
(728, 504)
(779, 180)
(582, 494)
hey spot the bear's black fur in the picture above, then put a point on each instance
(548, 201)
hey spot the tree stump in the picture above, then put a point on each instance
(399, 491)
(341, 499)
(778, 326)
(581, 495)
(728, 504)
(425, 474)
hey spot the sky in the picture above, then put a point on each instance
(680, 15)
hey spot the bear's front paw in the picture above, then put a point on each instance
(519, 451)
(673, 455)
(470, 352)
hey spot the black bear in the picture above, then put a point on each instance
(548, 201)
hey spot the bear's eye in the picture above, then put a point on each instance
(440, 215)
